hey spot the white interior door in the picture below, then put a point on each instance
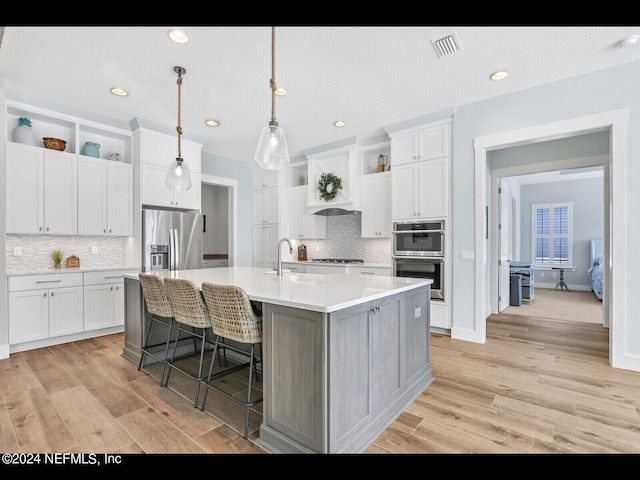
(504, 245)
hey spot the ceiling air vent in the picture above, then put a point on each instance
(446, 45)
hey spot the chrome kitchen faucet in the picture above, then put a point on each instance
(279, 256)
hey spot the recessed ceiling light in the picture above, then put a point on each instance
(281, 91)
(178, 36)
(627, 42)
(211, 122)
(339, 123)
(499, 75)
(119, 91)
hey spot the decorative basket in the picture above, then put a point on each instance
(54, 143)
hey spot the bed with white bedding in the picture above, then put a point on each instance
(596, 258)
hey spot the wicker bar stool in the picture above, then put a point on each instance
(160, 313)
(233, 317)
(192, 316)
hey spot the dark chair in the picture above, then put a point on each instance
(160, 313)
(233, 317)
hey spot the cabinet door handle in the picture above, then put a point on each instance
(48, 281)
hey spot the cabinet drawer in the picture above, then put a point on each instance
(110, 276)
(370, 270)
(37, 282)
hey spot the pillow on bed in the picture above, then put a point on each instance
(598, 260)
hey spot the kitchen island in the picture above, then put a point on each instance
(344, 354)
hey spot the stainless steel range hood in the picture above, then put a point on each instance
(335, 208)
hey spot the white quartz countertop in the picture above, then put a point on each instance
(315, 292)
(44, 271)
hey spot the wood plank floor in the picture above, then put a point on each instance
(536, 386)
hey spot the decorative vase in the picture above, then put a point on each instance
(91, 149)
(23, 133)
(58, 265)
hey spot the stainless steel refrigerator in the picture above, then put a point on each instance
(171, 240)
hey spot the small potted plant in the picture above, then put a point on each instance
(57, 258)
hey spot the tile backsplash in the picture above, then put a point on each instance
(36, 251)
(344, 241)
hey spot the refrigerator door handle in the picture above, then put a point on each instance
(173, 249)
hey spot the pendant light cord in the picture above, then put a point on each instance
(272, 83)
(179, 127)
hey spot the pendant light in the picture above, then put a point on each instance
(178, 177)
(272, 152)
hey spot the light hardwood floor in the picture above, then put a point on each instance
(535, 386)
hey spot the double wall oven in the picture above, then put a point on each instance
(418, 251)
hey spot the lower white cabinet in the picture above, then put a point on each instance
(369, 270)
(104, 299)
(44, 306)
(215, 263)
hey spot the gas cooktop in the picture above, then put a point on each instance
(336, 260)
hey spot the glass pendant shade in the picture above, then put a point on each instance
(272, 152)
(178, 177)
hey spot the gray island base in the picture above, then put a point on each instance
(344, 354)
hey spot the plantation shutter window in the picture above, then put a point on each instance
(552, 234)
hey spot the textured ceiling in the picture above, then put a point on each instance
(371, 77)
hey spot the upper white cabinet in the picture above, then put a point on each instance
(263, 178)
(422, 144)
(376, 205)
(105, 197)
(157, 152)
(303, 225)
(41, 188)
(420, 173)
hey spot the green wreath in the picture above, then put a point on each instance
(328, 186)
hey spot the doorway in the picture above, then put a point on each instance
(230, 186)
(614, 176)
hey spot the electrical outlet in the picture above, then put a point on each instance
(554, 274)
(317, 248)
(541, 274)
(94, 250)
(17, 251)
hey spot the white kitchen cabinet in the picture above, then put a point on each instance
(265, 245)
(420, 190)
(303, 225)
(105, 197)
(104, 299)
(266, 206)
(156, 193)
(44, 306)
(161, 150)
(42, 195)
(357, 270)
(157, 152)
(263, 178)
(326, 268)
(376, 205)
(295, 267)
(421, 144)
(215, 263)
(420, 174)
